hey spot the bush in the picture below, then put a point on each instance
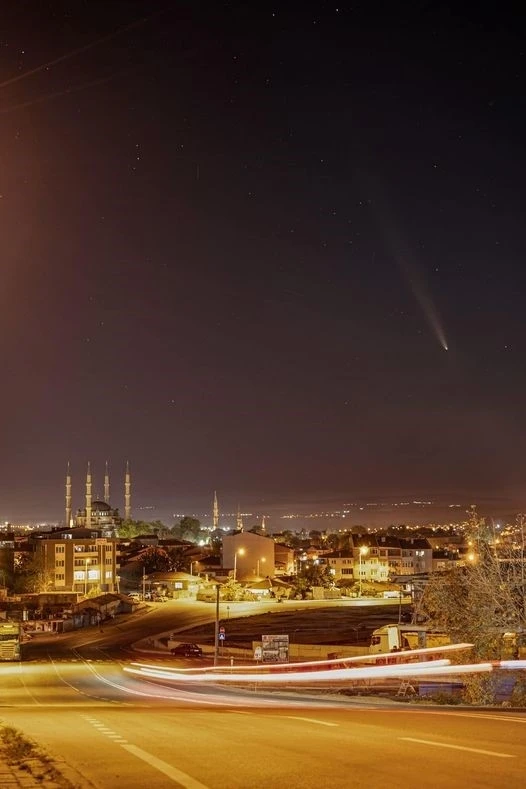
(16, 748)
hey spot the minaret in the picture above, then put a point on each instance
(127, 493)
(88, 497)
(215, 517)
(107, 485)
(263, 527)
(68, 497)
(239, 520)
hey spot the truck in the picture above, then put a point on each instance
(398, 637)
(10, 637)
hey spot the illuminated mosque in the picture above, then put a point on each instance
(98, 513)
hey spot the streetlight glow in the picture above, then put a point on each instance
(364, 550)
(241, 552)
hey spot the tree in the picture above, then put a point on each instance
(188, 528)
(179, 561)
(154, 559)
(312, 575)
(130, 528)
(477, 603)
(332, 541)
(30, 574)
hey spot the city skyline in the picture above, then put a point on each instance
(273, 253)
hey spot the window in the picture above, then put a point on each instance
(60, 548)
(59, 576)
(59, 563)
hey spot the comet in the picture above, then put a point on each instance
(424, 299)
(402, 254)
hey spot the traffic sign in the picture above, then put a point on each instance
(221, 636)
(221, 629)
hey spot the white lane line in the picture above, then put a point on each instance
(459, 747)
(504, 717)
(307, 720)
(173, 773)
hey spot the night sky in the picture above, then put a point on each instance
(237, 241)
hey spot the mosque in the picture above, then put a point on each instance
(98, 514)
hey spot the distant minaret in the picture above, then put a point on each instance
(127, 493)
(215, 516)
(239, 520)
(88, 497)
(263, 527)
(107, 485)
(68, 497)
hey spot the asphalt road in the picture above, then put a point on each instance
(114, 730)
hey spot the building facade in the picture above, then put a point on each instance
(248, 555)
(77, 560)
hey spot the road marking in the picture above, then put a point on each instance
(308, 720)
(459, 747)
(172, 772)
(485, 715)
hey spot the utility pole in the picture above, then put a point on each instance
(216, 629)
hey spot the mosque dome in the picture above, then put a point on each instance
(100, 506)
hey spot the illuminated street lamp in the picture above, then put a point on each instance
(364, 550)
(86, 578)
(263, 560)
(240, 551)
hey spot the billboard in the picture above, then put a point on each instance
(275, 649)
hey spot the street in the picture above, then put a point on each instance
(113, 730)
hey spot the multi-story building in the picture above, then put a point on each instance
(248, 555)
(341, 564)
(284, 559)
(77, 560)
(377, 558)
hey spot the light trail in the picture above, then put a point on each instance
(400, 671)
(378, 659)
(288, 677)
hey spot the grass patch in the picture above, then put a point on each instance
(15, 746)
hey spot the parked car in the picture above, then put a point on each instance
(187, 650)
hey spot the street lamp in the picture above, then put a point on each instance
(364, 550)
(263, 560)
(239, 551)
(86, 578)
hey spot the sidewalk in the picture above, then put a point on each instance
(39, 775)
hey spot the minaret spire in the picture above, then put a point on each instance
(88, 497)
(263, 527)
(239, 520)
(215, 517)
(68, 497)
(107, 485)
(127, 493)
